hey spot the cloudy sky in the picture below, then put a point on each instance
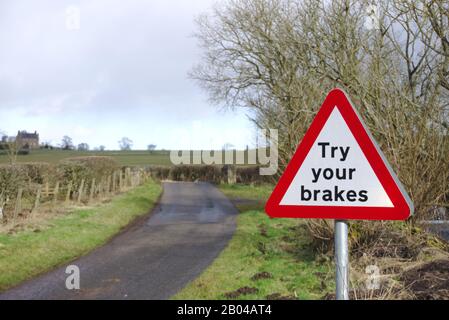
(119, 70)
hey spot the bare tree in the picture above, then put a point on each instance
(125, 143)
(280, 57)
(67, 143)
(151, 147)
(46, 145)
(83, 147)
(12, 146)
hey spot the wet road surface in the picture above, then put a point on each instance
(155, 257)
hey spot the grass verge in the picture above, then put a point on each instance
(266, 258)
(29, 253)
(273, 258)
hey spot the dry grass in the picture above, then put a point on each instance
(27, 221)
(401, 258)
(401, 252)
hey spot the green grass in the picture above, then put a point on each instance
(260, 244)
(125, 158)
(29, 253)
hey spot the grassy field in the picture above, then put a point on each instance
(28, 253)
(125, 158)
(266, 258)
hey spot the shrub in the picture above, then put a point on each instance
(40, 172)
(250, 174)
(210, 173)
(196, 172)
(12, 177)
(87, 168)
(158, 172)
(23, 152)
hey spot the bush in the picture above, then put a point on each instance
(40, 172)
(250, 174)
(87, 168)
(23, 152)
(12, 178)
(159, 172)
(210, 173)
(187, 173)
(196, 172)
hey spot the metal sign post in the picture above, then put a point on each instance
(341, 259)
(339, 172)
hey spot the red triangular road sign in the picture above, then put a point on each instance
(339, 172)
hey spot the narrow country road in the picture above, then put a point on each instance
(155, 257)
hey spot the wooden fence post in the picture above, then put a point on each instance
(69, 191)
(2, 204)
(120, 180)
(37, 201)
(131, 179)
(18, 206)
(114, 181)
(100, 189)
(108, 191)
(92, 190)
(134, 179)
(56, 193)
(80, 191)
(128, 177)
(47, 189)
(104, 187)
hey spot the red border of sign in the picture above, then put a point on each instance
(402, 207)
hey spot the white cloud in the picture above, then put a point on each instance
(123, 72)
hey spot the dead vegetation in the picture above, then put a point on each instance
(31, 193)
(429, 280)
(280, 57)
(394, 261)
(261, 275)
(278, 296)
(211, 173)
(241, 292)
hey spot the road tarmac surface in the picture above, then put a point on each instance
(154, 257)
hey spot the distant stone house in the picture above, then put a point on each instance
(28, 140)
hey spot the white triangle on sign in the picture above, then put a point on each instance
(336, 150)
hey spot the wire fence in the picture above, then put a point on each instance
(33, 199)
